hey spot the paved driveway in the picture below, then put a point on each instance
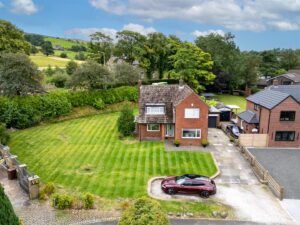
(284, 166)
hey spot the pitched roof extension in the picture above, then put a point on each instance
(248, 116)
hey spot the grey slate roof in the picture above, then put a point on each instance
(268, 98)
(169, 95)
(248, 116)
(293, 90)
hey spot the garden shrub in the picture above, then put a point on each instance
(7, 214)
(88, 201)
(4, 135)
(125, 122)
(99, 104)
(144, 211)
(62, 201)
(46, 191)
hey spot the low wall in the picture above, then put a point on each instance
(28, 181)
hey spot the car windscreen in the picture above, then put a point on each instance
(180, 180)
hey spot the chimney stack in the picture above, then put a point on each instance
(180, 82)
(139, 92)
(275, 82)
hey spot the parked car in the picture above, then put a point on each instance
(189, 184)
(234, 130)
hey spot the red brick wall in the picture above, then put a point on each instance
(192, 101)
(148, 135)
(276, 125)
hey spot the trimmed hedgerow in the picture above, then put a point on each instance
(23, 112)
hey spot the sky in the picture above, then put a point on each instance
(256, 24)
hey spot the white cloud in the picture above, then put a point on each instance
(138, 28)
(254, 15)
(86, 32)
(23, 7)
(198, 33)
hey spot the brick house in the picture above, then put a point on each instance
(292, 77)
(274, 111)
(171, 112)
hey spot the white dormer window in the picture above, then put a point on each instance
(155, 110)
(192, 113)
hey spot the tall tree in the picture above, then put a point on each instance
(71, 67)
(126, 73)
(129, 46)
(226, 57)
(270, 63)
(91, 75)
(193, 66)
(12, 39)
(18, 75)
(100, 47)
(157, 46)
(35, 39)
(47, 48)
(251, 62)
(289, 59)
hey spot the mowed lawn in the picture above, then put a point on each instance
(86, 155)
(44, 61)
(233, 100)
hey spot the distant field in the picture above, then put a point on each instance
(233, 100)
(70, 54)
(63, 42)
(44, 61)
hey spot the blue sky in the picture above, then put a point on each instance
(257, 24)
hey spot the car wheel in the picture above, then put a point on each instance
(171, 191)
(204, 194)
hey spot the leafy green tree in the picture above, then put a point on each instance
(126, 73)
(47, 48)
(158, 52)
(251, 62)
(129, 46)
(33, 50)
(226, 57)
(63, 55)
(4, 135)
(270, 63)
(100, 47)
(144, 211)
(193, 66)
(289, 59)
(7, 214)
(12, 39)
(71, 67)
(80, 56)
(59, 79)
(91, 75)
(35, 39)
(125, 122)
(18, 75)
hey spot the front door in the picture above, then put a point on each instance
(170, 130)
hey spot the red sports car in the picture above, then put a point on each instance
(189, 184)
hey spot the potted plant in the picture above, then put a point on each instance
(177, 143)
(204, 142)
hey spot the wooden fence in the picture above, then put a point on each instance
(263, 174)
(253, 140)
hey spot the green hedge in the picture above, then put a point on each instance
(7, 214)
(23, 112)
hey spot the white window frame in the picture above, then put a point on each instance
(160, 110)
(191, 130)
(191, 113)
(153, 130)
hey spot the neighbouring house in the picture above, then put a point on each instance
(58, 47)
(274, 111)
(173, 112)
(292, 77)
